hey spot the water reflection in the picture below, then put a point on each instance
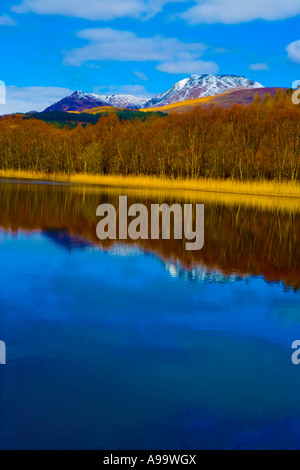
(201, 274)
(241, 239)
(144, 345)
(66, 240)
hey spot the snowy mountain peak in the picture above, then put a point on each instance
(198, 86)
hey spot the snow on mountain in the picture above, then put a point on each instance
(118, 101)
(125, 101)
(198, 86)
(79, 101)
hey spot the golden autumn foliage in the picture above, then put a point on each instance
(253, 143)
(100, 109)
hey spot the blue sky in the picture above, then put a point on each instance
(50, 48)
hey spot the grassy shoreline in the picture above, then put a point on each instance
(256, 188)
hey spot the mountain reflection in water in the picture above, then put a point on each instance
(144, 345)
(240, 239)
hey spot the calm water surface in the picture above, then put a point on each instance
(146, 346)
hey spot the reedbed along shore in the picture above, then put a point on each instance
(260, 188)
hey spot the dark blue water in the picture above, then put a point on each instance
(119, 350)
(147, 346)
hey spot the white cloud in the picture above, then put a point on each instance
(22, 100)
(95, 9)
(257, 67)
(293, 50)
(141, 76)
(2, 93)
(189, 67)
(205, 11)
(108, 44)
(6, 21)
(236, 11)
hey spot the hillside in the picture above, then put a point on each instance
(99, 110)
(223, 100)
(201, 86)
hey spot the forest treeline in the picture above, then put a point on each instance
(61, 118)
(257, 142)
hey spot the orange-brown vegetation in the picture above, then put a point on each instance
(224, 100)
(253, 143)
(100, 109)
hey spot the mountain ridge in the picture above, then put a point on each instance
(195, 86)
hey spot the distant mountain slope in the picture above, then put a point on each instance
(125, 101)
(223, 100)
(80, 101)
(182, 106)
(108, 109)
(244, 97)
(200, 86)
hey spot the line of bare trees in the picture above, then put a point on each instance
(260, 141)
